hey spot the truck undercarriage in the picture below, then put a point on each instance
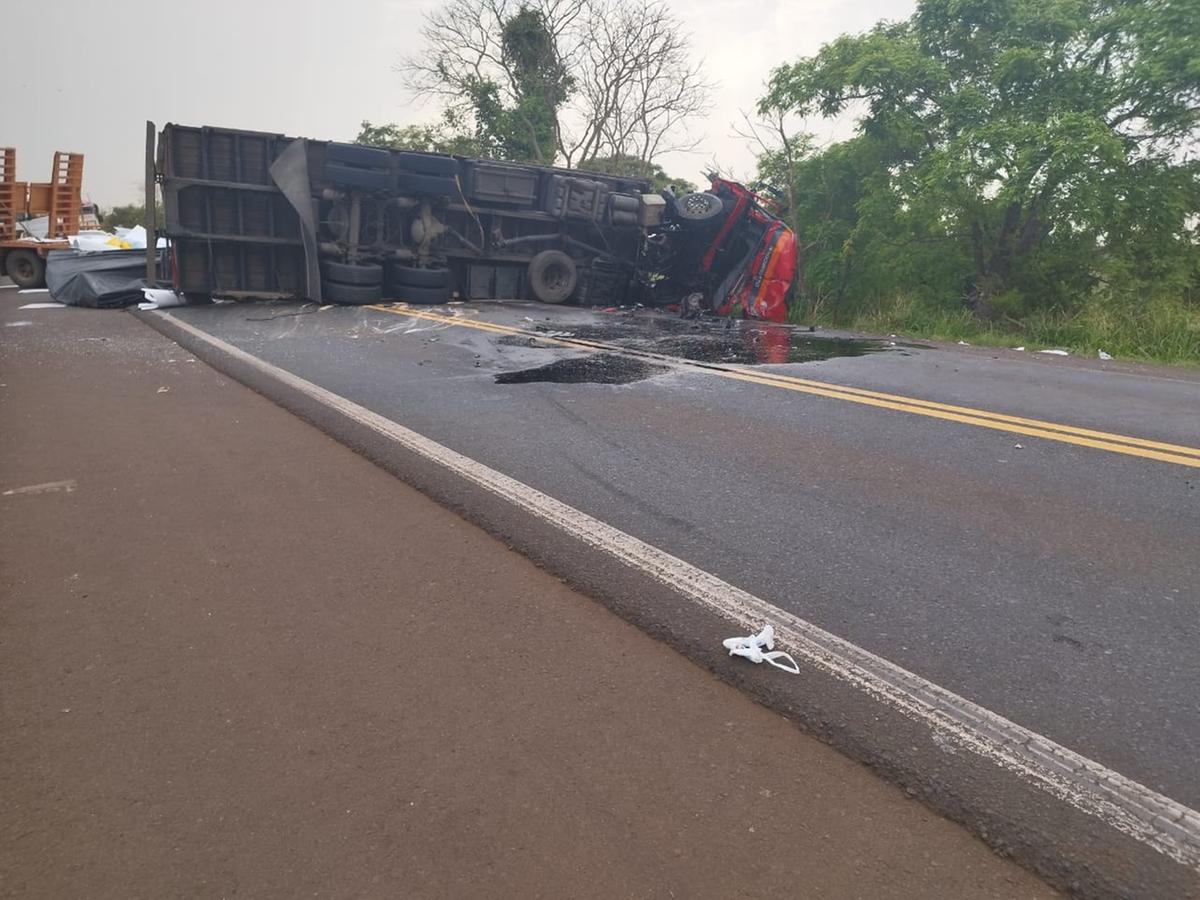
(251, 214)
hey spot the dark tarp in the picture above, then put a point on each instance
(106, 280)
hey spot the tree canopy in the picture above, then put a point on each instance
(1013, 153)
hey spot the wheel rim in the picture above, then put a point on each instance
(23, 268)
(697, 204)
(556, 277)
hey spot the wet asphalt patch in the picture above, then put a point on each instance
(725, 341)
(713, 341)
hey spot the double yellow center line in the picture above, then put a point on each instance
(1066, 434)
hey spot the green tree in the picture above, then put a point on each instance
(129, 216)
(1037, 148)
(500, 71)
(541, 85)
(439, 138)
(569, 80)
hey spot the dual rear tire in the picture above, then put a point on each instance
(351, 284)
(426, 287)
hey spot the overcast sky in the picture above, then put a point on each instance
(317, 69)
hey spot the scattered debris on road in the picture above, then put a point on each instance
(157, 298)
(751, 648)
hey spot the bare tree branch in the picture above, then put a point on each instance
(636, 85)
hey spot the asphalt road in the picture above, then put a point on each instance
(240, 660)
(1047, 575)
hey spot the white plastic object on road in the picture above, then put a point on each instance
(1022, 349)
(1055, 352)
(751, 648)
(156, 298)
(1104, 355)
(43, 306)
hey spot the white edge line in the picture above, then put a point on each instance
(1131, 808)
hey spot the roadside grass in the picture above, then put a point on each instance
(1160, 331)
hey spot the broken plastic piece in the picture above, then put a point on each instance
(161, 299)
(765, 638)
(751, 648)
(1104, 355)
(1055, 352)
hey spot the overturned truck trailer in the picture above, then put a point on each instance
(250, 214)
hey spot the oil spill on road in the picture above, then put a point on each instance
(600, 368)
(722, 341)
(726, 341)
(714, 341)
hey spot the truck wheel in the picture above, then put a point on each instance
(26, 269)
(358, 155)
(699, 207)
(351, 294)
(411, 276)
(552, 276)
(344, 273)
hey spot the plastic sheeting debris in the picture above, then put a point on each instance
(99, 280)
(751, 648)
(119, 239)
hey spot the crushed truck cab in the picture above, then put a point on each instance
(252, 214)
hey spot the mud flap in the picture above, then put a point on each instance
(289, 171)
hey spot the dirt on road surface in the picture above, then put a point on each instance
(237, 659)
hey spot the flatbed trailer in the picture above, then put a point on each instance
(23, 257)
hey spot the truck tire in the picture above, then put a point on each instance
(427, 185)
(699, 207)
(26, 269)
(552, 276)
(427, 164)
(410, 276)
(351, 294)
(344, 273)
(358, 155)
(420, 296)
(367, 179)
